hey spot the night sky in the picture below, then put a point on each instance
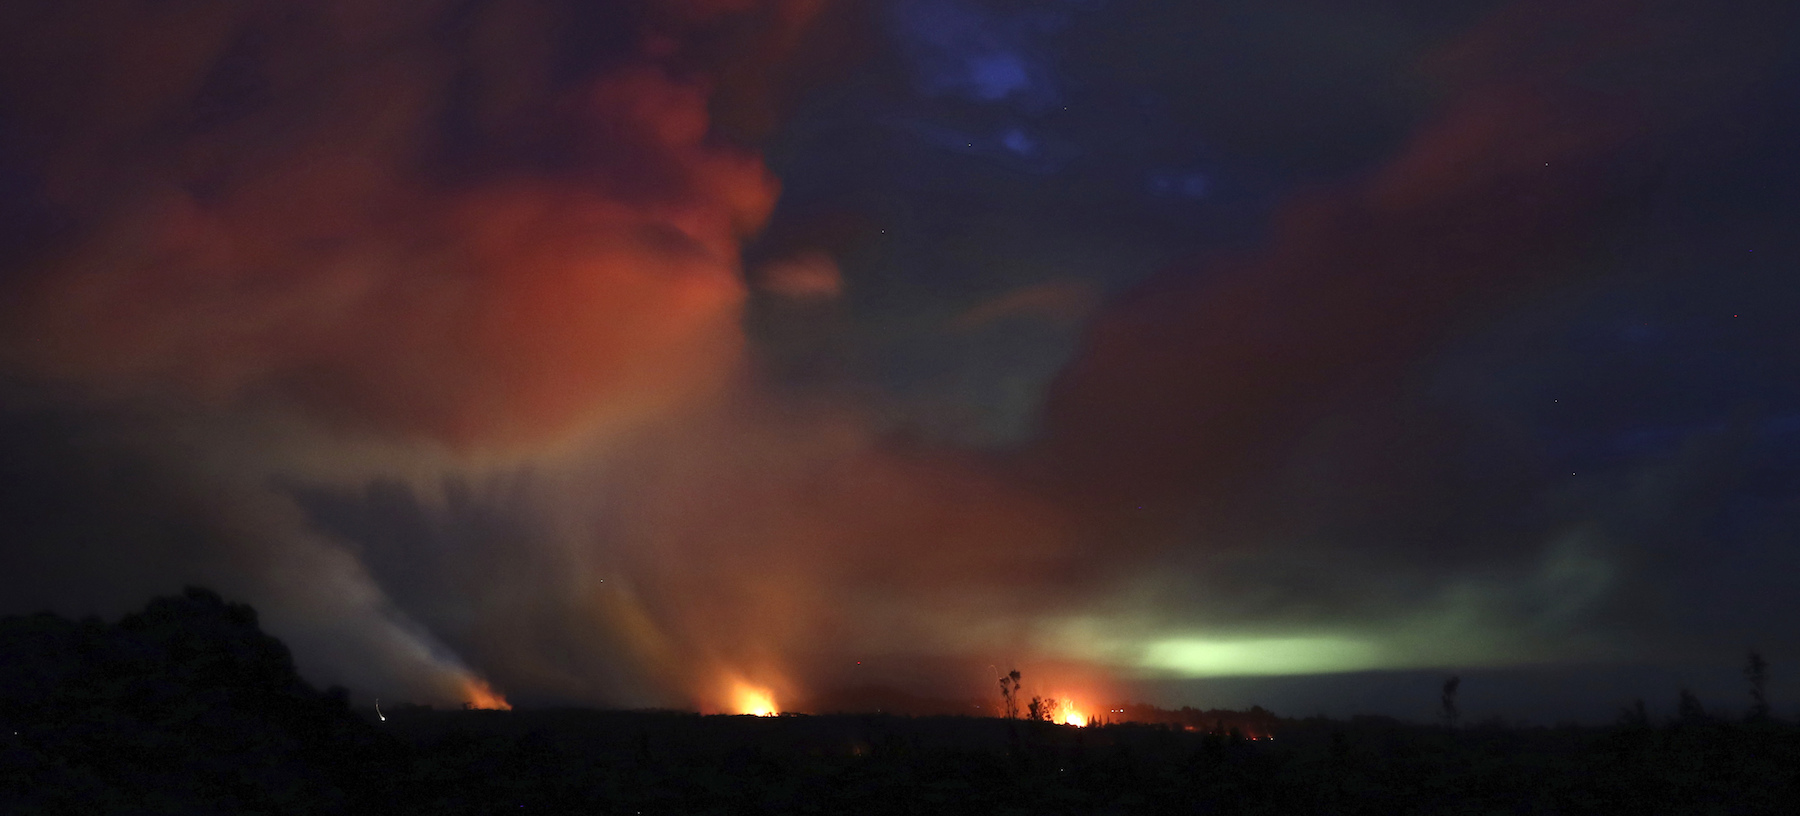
(646, 353)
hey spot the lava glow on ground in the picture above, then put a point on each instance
(748, 699)
(480, 695)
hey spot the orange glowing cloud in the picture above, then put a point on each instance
(322, 241)
(747, 550)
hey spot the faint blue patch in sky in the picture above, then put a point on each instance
(998, 75)
(1659, 439)
(1015, 147)
(958, 48)
(1782, 426)
(1020, 142)
(1183, 183)
(1640, 332)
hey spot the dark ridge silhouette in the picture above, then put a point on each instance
(189, 708)
(1252, 724)
(887, 700)
(184, 707)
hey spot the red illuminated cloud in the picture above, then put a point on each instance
(348, 210)
(1200, 378)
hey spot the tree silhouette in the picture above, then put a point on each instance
(1009, 694)
(1448, 712)
(1634, 715)
(1688, 708)
(1756, 670)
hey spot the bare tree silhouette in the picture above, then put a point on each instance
(1009, 694)
(1448, 711)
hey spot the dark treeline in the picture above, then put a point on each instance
(1254, 724)
(189, 708)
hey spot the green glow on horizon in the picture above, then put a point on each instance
(1195, 657)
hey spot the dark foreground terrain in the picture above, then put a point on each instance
(189, 708)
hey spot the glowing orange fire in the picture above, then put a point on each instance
(749, 699)
(481, 695)
(1067, 714)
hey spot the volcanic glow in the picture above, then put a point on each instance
(479, 694)
(748, 699)
(446, 304)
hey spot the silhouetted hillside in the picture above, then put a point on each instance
(185, 707)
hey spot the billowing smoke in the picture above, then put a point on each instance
(478, 228)
(400, 219)
(428, 315)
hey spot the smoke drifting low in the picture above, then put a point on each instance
(418, 326)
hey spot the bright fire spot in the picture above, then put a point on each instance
(748, 699)
(481, 695)
(1067, 715)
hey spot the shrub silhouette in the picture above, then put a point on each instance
(1042, 709)
(1448, 702)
